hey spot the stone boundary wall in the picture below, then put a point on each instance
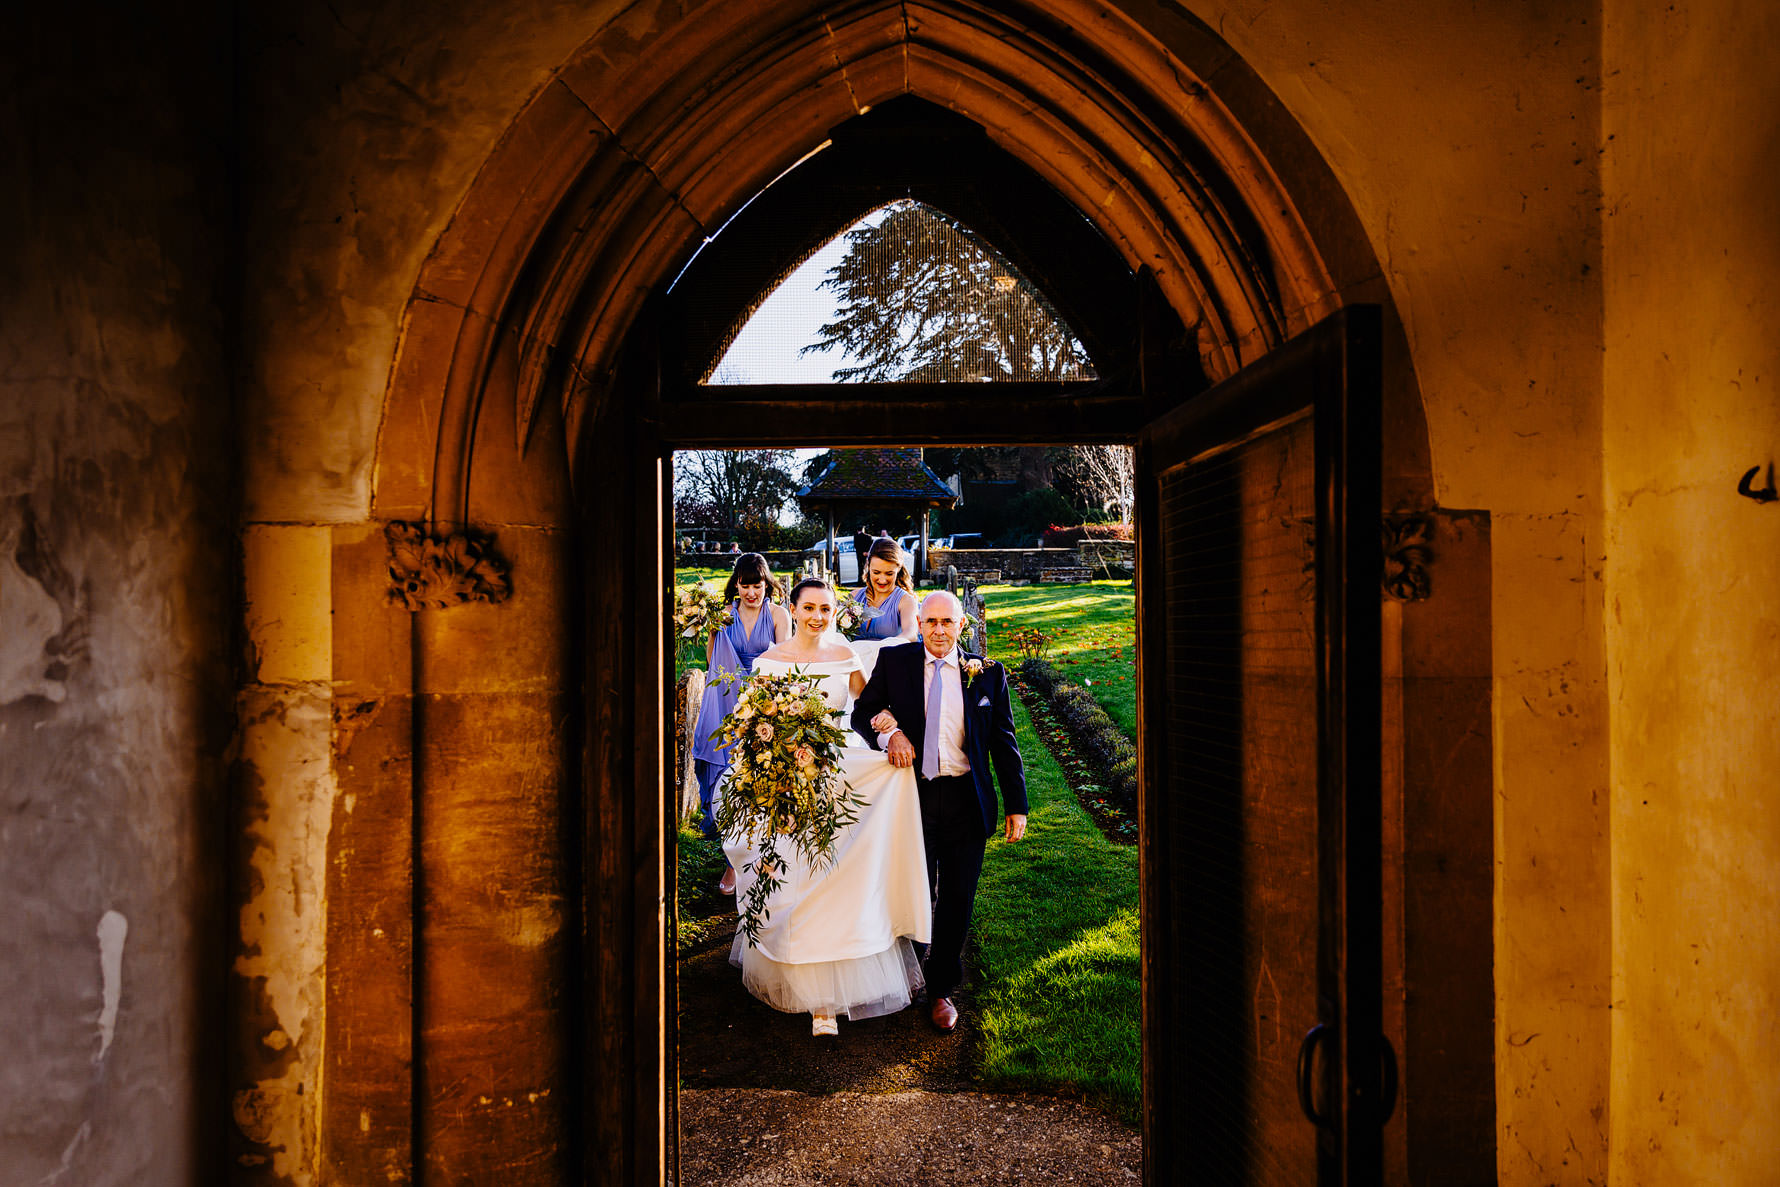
(1029, 564)
(1014, 564)
(1118, 552)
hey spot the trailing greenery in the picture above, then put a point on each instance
(1095, 733)
(1069, 537)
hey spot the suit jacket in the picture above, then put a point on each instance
(988, 723)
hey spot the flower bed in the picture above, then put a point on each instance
(1096, 735)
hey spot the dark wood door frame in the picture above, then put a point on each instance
(1315, 373)
(968, 415)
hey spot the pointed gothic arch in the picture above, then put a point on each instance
(528, 399)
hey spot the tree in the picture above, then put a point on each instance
(921, 298)
(737, 491)
(1104, 475)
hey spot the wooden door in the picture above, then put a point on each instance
(1259, 687)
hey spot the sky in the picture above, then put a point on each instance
(766, 349)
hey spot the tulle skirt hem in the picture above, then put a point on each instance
(863, 987)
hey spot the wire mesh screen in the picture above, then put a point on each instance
(905, 294)
(1240, 672)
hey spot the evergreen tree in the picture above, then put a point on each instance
(921, 298)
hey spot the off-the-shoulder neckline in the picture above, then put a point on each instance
(810, 663)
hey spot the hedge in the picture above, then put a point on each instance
(1095, 735)
(1062, 537)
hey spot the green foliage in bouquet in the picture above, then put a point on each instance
(699, 613)
(784, 782)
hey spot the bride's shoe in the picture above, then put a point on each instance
(824, 1024)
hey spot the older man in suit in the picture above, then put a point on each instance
(954, 723)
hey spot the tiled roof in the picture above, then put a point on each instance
(877, 476)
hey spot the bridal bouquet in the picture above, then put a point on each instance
(784, 781)
(699, 611)
(849, 617)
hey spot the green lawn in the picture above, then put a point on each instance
(1094, 632)
(1057, 984)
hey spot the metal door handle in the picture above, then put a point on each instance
(1306, 1068)
(1387, 1080)
(1387, 1076)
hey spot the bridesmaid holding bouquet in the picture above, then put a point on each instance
(757, 622)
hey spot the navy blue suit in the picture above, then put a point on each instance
(958, 813)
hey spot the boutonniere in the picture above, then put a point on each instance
(974, 668)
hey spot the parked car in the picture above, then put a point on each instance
(959, 540)
(846, 560)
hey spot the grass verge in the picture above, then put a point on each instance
(1056, 951)
(702, 911)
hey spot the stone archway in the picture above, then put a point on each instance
(457, 886)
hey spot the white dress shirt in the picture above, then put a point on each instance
(952, 758)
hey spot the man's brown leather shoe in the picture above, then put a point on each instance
(944, 1014)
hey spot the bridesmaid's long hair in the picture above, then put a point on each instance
(884, 548)
(751, 569)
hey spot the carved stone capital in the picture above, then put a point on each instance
(428, 573)
(1407, 555)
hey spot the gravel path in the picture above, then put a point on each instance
(761, 1137)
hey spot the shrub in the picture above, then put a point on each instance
(1096, 735)
(1040, 675)
(1033, 644)
(787, 537)
(1058, 536)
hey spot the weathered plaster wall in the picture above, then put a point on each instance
(117, 592)
(1693, 587)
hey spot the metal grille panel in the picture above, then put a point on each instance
(1240, 674)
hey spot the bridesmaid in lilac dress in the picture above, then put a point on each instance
(888, 596)
(756, 624)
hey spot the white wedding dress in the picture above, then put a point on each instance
(836, 939)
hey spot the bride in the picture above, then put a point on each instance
(836, 939)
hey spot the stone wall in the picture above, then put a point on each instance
(1015, 564)
(118, 584)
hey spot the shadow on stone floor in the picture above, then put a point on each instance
(728, 1039)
